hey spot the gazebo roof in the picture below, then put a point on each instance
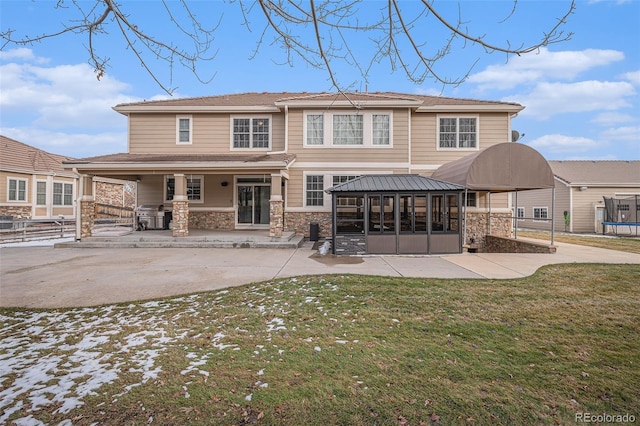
(394, 183)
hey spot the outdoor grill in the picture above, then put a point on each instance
(150, 216)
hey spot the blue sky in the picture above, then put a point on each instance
(581, 96)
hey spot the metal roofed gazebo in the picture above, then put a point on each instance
(396, 214)
(506, 167)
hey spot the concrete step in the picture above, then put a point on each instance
(288, 242)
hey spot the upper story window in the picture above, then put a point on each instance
(251, 132)
(184, 130)
(458, 133)
(17, 190)
(337, 129)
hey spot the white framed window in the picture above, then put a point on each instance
(62, 194)
(184, 129)
(520, 213)
(250, 133)
(41, 193)
(472, 199)
(16, 189)
(458, 132)
(314, 190)
(348, 130)
(540, 214)
(195, 188)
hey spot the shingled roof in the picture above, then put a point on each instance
(274, 99)
(20, 157)
(597, 172)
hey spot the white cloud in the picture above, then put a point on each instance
(563, 144)
(625, 133)
(549, 99)
(632, 77)
(76, 145)
(22, 54)
(545, 65)
(609, 118)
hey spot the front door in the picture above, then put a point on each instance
(253, 204)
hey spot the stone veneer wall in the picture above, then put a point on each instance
(211, 220)
(478, 227)
(298, 222)
(276, 218)
(180, 218)
(509, 245)
(350, 244)
(87, 216)
(18, 212)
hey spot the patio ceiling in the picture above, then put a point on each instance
(504, 167)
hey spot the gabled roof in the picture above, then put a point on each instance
(394, 183)
(503, 167)
(274, 101)
(19, 157)
(602, 173)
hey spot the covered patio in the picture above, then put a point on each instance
(503, 168)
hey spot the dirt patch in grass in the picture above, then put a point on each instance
(336, 350)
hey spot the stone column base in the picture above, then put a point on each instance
(180, 218)
(276, 218)
(87, 215)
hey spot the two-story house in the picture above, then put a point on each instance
(266, 160)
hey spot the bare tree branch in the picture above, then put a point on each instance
(321, 33)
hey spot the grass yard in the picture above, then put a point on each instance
(627, 244)
(336, 350)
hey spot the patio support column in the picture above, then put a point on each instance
(87, 207)
(276, 207)
(180, 207)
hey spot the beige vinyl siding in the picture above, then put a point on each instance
(396, 154)
(584, 203)
(493, 129)
(543, 198)
(156, 133)
(151, 191)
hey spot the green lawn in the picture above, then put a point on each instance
(337, 350)
(628, 244)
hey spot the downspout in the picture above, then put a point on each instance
(286, 128)
(409, 134)
(78, 204)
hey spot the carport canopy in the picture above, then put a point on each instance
(505, 167)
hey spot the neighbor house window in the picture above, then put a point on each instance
(184, 130)
(364, 129)
(540, 213)
(41, 193)
(458, 132)
(62, 194)
(520, 213)
(251, 133)
(17, 190)
(195, 188)
(314, 190)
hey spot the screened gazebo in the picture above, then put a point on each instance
(396, 214)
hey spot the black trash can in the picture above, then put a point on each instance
(314, 231)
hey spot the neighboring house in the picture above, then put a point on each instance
(33, 183)
(266, 160)
(580, 190)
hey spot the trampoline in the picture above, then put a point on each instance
(621, 212)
